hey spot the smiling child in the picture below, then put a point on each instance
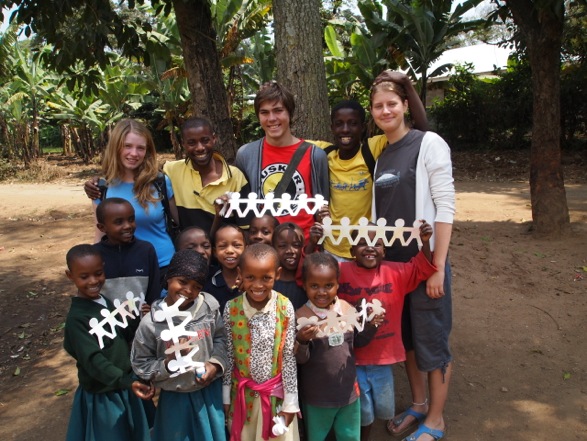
(189, 406)
(261, 330)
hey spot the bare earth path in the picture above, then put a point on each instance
(519, 315)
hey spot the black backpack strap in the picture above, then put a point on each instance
(291, 168)
(161, 187)
(368, 157)
(330, 148)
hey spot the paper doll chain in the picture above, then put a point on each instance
(123, 311)
(388, 234)
(277, 206)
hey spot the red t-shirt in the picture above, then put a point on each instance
(273, 165)
(389, 284)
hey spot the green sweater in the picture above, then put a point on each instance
(98, 370)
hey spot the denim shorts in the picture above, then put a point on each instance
(377, 393)
(426, 326)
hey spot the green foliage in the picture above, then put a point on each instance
(417, 32)
(479, 113)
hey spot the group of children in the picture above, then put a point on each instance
(253, 302)
(241, 317)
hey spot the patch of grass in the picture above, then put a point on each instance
(7, 169)
(40, 171)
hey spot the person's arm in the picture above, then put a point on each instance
(417, 109)
(435, 284)
(227, 377)
(425, 235)
(89, 355)
(290, 383)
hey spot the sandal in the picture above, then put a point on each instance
(424, 429)
(398, 420)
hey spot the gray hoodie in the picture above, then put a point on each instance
(148, 349)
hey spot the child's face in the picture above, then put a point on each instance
(258, 277)
(87, 274)
(368, 256)
(133, 151)
(198, 143)
(182, 288)
(321, 285)
(119, 224)
(229, 246)
(196, 240)
(347, 129)
(274, 119)
(289, 244)
(261, 230)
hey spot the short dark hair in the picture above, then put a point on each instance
(349, 104)
(101, 209)
(78, 251)
(259, 251)
(196, 122)
(273, 219)
(274, 91)
(225, 225)
(286, 226)
(319, 259)
(188, 229)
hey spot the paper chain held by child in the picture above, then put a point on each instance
(343, 231)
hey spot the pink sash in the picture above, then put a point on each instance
(266, 390)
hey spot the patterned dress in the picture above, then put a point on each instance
(260, 346)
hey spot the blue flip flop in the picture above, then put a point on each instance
(424, 429)
(398, 420)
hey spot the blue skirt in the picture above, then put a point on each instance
(190, 416)
(110, 416)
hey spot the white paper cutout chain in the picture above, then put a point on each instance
(125, 310)
(274, 205)
(333, 323)
(381, 230)
(182, 363)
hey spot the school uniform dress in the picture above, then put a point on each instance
(104, 406)
(186, 409)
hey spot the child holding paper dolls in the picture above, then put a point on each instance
(106, 404)
(260, 382)
(328, 381)
(370, 277)
(190, 404)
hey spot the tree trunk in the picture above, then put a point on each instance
(542, 29)
(300, 65)
(202, 64)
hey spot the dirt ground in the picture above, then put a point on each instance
(520, 303)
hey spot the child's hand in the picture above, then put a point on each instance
(322, 213)
(142, 390)
(208, 376)
(377, 320)
(425, 231)
(226, 410)
(220, 203)
(316, 232)
(288, 417)
(145, 309)
(307, 333)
